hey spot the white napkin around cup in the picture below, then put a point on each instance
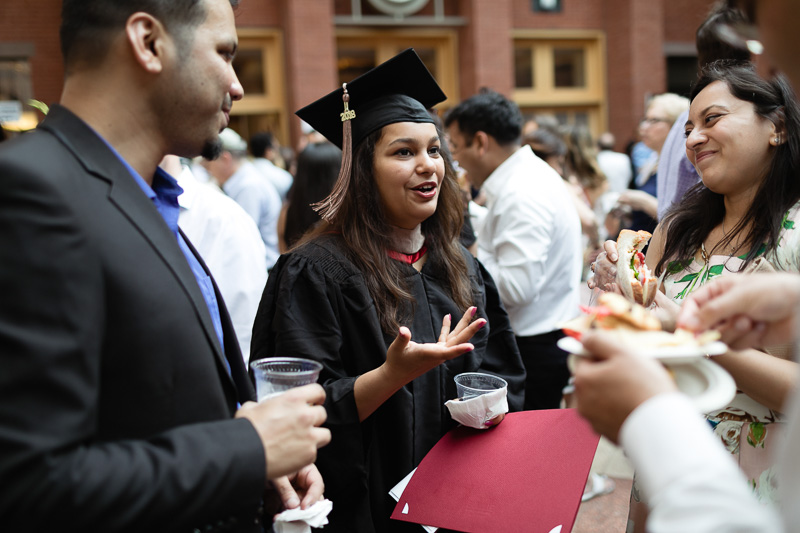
(476, 411)
(302, 520)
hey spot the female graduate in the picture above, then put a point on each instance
(373, 291)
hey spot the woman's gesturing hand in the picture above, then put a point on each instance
(408, 359)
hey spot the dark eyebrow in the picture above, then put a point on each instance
(706, 110)
(409, 140)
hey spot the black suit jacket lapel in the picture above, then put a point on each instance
(233, 353)
(128, 197)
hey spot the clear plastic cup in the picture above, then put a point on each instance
(471, 384)
(275, 375)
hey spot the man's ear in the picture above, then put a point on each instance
(147, 39)
(482, 140)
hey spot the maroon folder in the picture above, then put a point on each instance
(526, 474)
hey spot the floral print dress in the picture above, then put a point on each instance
(750, 431)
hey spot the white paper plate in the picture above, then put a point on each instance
(665, 354)
(708, 385)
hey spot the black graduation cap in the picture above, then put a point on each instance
(398, 90)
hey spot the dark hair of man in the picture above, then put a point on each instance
(260, 143)
(489, 112)
(88, 26)
(701, 210)
(709, 46)
(317, 169)
(366, 233)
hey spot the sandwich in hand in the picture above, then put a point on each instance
(634, 279)
(632, 324)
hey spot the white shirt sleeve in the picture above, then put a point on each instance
(690, 482)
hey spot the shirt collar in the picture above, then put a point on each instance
(164, 192)
(164, 185)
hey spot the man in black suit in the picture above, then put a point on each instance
(120, 374)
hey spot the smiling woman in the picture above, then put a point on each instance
(373, 290)
(743, 136)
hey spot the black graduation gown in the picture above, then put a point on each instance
(316, 305)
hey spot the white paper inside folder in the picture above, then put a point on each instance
(476, 411)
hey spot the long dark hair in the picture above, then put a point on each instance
(317, 169)
(701, 210)
(362, 223)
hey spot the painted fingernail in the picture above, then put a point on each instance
(482, 322)
(488, 423)
(448, 317)
(474, 309)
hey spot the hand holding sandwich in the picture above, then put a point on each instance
(604, 268)
(623, 264)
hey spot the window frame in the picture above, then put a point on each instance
(544, 96)
(273, 101)
(389, 42)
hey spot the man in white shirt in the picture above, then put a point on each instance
(261, 147)
(241, 181)
(529, 240)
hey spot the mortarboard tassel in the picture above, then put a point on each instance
(328, 207)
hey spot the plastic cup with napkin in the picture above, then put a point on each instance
(481, 397)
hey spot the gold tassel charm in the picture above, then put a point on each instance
(328, 207)
(348, 114)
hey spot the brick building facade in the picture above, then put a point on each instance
(590, 61)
